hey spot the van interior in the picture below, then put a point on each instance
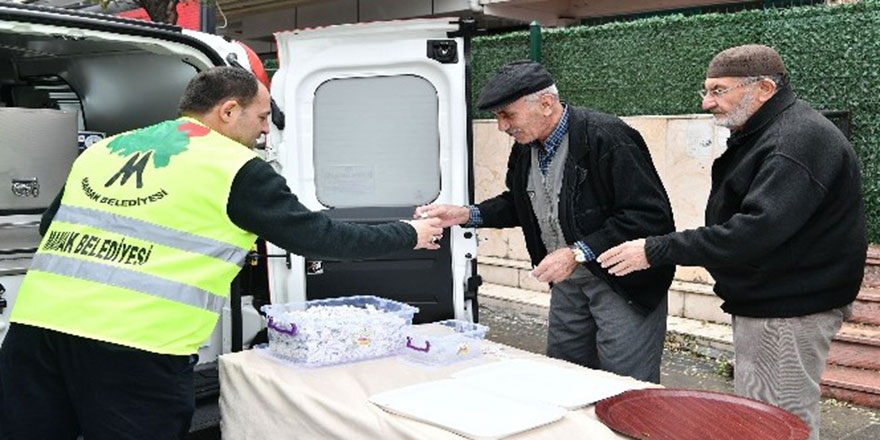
(102, 76)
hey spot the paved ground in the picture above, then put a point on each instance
(681, 368)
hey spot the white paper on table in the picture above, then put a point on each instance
(531, 381)
(467, 411)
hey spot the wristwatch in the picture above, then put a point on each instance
(579, 255)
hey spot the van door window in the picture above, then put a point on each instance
(376, 142)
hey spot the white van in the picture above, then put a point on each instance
(376, 123)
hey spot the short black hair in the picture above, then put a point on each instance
(215, 85)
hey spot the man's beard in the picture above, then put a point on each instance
(739, 115)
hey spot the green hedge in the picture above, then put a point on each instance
(656, 65)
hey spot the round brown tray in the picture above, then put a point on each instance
(670, 414)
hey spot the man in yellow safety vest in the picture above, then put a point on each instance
(136, 260)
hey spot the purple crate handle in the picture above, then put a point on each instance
(413, 347)
(291, 332)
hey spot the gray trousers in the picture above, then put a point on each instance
(593, 326)
(780, 360)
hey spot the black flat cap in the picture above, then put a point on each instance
(513, 81)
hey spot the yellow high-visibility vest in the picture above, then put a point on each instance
(141, 251)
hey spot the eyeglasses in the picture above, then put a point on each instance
(717, 93)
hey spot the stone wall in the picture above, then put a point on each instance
(682, 147)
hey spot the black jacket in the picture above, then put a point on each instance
(785, 220)
(261, 202)
(611, 193)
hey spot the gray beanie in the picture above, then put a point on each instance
(747, 60)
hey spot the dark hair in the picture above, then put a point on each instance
(215, 85)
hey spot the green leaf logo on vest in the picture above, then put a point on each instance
(160, 141)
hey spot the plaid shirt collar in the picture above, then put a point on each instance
(551, 144)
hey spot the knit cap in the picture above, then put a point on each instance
(746, 60)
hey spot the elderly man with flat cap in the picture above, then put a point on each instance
(578, 182)
(785, 230)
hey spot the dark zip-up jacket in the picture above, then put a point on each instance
(785, 220)
(611, 193)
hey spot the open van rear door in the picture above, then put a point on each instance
(377, 123)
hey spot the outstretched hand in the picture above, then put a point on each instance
(449, 215)
(429, 232)
(625, 258)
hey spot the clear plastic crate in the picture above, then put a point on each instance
(337, 330)
(444, 342)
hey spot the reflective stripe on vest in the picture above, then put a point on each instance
(142, 251)
(128, 279)
(147, 231)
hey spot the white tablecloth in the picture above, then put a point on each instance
(261, 398)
